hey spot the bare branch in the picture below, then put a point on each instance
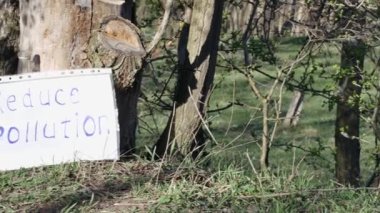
(237, 103)
(161, 29)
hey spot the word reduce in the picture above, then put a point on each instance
(34, 129)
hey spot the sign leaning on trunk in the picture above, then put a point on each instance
(55, 117)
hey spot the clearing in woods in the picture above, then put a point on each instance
(301, 176)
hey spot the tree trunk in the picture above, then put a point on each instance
(374, 180)
(269, 16)
(56, 35)
(247, 33)
(296, 29)
(9, 36)
(348, 113)
(294, 111)
(316, 12)
(282, 14)
(197, 54)
(239, 14)
(265, 141)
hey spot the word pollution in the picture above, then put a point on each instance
(76, 127)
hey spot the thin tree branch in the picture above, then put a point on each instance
(225, 107)
(161, 29)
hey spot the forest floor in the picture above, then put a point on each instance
(300, 179)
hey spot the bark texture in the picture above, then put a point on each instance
(66, 34)
(239, 14)
(197, 54)
(348, 113)
(269, 15)
(9, 36)
(294, 111)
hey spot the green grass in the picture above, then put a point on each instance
(141, 186)
(301, 177)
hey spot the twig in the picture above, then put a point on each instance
(254, 169)
(201, 117)
(225, 107)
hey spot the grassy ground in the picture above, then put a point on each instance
(301, 178)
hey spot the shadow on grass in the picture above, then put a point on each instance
(87, 196)
(101, 185)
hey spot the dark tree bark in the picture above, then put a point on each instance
(247, 33)
(197, 54)
(348, 114)
(9, 36)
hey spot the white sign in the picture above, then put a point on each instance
(57, 117)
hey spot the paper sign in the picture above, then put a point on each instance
(57, 117)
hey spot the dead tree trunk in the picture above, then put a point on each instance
(196, 61)
(294, 111)
(9, 36)
(56, 35)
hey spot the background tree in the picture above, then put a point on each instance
(350, 86)
(197, 52)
